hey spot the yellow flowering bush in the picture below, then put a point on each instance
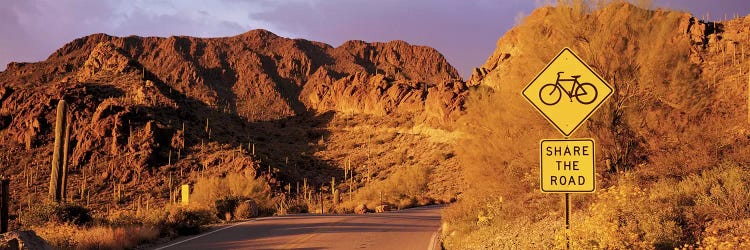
(624, 216)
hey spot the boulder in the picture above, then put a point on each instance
(360, 209)
(246, 210)
(382, 208)
(23, 240)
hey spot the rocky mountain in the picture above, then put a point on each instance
(146, 108)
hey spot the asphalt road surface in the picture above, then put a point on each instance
(414, 228)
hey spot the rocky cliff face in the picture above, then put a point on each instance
(257, 74)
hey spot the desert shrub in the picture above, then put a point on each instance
(296, 205)
(187, 221)
(209, 189)
(498, 163)
(222, 194)
(404, 186)
(173, 220)
(411, 182)
(723, 234)
(619, 219)
(246, 210)
(424, 201)
(344, 208)
(721, 193)
(290, 205)
(38, 215)
(72, 213)
(57, 213)
(703, 209)
(406, 203)
(123, 218)
(156, 218)
(226, 205)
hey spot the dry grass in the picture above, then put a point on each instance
(98, 237)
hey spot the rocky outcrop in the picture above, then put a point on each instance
(699, 32)
(696, 30)
(382, 208)
(374, 94)
(23, 240)
(105, 59)
(360, 209)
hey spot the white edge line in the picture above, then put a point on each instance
(433, 240)
(198, 236)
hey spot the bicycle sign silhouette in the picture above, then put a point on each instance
(551, 93)
(567, 91)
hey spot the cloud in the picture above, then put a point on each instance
(464, 31)
(32, 30)
(24, 32)
(715, 10)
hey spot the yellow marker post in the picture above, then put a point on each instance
(185, 194)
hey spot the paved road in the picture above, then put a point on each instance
(407, 229)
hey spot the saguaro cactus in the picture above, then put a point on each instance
(64, 179)
(304, 187)
(56, 189)
(334, 191)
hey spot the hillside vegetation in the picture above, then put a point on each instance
(672, 142)
(250, 119)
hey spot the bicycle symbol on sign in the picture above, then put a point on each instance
(585, 92)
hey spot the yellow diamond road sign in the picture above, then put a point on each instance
(567, 92)
(567, 166)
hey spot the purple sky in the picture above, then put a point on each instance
(464, 31)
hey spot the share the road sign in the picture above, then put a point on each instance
(567, 166)
(566, 92)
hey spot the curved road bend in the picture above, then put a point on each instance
(414, 228)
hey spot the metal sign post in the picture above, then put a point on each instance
(567, 220)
